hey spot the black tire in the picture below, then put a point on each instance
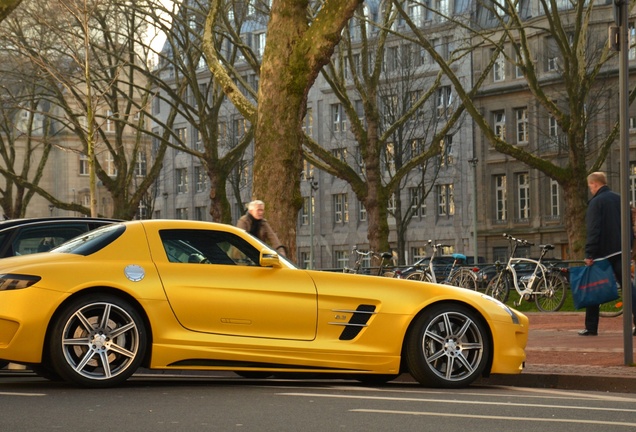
(375, 379)
(464, 278)
(499, 287)
(45, 372)
(614, 308)
(447, 346)
(550, 293)
(4, 364)
(97, 340)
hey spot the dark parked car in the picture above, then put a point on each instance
(27, 236)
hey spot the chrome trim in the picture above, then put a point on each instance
(346, 324)
(354, 311)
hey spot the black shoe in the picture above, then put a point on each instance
(587, 332)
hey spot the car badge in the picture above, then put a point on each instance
(134, 272)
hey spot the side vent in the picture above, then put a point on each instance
(359, 319)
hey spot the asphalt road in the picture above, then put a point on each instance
(227, 403)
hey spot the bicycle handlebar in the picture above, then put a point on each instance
(520, 241)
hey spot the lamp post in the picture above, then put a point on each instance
(51, 207)
(313, 187)
(473, 163)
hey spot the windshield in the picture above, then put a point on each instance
(92, 241)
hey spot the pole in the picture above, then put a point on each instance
(626, 226)
(473, 162)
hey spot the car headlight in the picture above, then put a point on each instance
(10, 281)
(513, 315)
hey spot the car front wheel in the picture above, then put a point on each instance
(448, 346)
(97, 341)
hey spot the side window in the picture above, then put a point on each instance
(208, 247)
(44, 238)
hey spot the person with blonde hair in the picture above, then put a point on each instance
(254, 223)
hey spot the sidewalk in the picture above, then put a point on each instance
(557, 357)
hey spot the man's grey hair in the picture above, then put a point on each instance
(254, 204)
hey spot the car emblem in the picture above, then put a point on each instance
(134, 272)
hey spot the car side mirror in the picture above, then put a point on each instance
(269, 258)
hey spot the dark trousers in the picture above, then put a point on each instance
(592, 312)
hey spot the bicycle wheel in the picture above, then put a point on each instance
(499, 286)
(613, 308)
(419, 275)
(463, 278)
(549, 293)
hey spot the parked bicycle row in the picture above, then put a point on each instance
(533, 279)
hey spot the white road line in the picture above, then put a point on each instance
(507, 418)
(459, 402)
(21, 394)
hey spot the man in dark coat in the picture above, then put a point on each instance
(603, 218)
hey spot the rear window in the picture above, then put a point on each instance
(92, 241)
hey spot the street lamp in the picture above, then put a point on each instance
(473, 163)
(313, 186)
(51, 207)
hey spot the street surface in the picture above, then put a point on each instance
(225, 402)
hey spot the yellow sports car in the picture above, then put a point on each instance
(169, 294)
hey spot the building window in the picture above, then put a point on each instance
(499, 120)
(632, 183)
(555, 207)
(338, 118)
(389, 158)
(304, 212)
(83, 164)
(499, 68)
(141, 165)
(415, 198)
(445, 200)
(259, 43)
(444, 102)
(308, 122)
(181, 135)
(308, 171)
(182, 180)
(111, 168)
(181, 213)
(447, 156)
(341, 258)
(340, 154)
(200, 179)
(201, 213)
(501, 198)
(362, 212)
(523, 193)
(303, 259)
(109, 121)
(341, 208)
(522, 125)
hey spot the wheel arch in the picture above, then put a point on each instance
(101, 290)
(489, 354)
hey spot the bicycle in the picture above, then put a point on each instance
(546, 285)
(457, 276)
(383, 257)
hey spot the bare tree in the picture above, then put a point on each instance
(296, 50)
(568, 94)
(106, 112)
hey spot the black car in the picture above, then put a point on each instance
(27, 236)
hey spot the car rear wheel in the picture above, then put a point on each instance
(97, 341)
(448, 346)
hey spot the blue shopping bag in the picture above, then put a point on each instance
(594, 284)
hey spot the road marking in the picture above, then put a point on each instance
(459, 402)
(487, 417)
(21, 394)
